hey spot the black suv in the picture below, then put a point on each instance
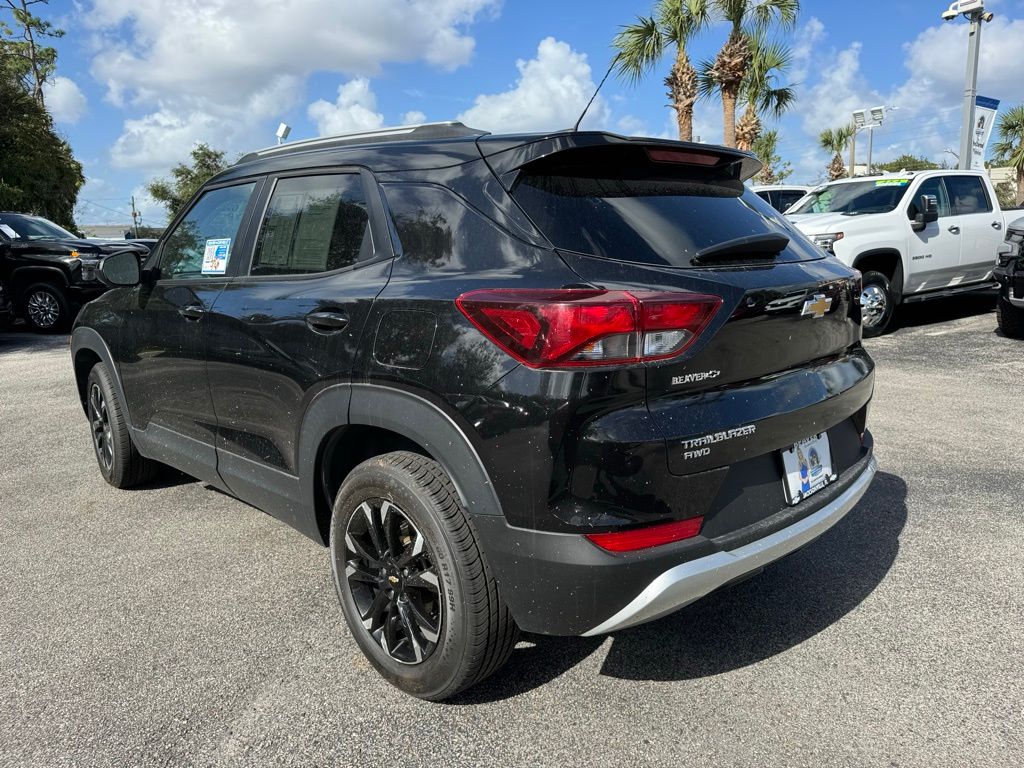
(46, 272)
(1009, 273)
(561, 383)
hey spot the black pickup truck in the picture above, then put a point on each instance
(1009, 273)
(47, 273)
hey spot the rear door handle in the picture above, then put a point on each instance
(997, 225)
(327, 321)
(192, 312)
(954, 229)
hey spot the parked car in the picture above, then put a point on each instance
(6, 310)
(914, 236)
(562, 383)
(780, 196)
(44, 269)
(1010, 276)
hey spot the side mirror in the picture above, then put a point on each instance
(927, 212)
(120, 269)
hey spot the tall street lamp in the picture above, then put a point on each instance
(866, 119)
(974, 11)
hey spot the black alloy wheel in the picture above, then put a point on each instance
(393, 581)
(417, 593)
(44, 308)
(102, 435)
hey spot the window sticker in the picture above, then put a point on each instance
(215, 257)
(892, 182)
(8, 231)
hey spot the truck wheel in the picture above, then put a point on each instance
(120, 462)
(1010, 319)
(44, 307)
(415, 589)
(877, 304)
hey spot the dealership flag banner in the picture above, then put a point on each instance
(984, 116)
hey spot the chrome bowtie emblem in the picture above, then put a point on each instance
(817, 305)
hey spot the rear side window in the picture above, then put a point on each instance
(314, 224)
(786, 199)
(968, 195)
(662, 221)
(202, 244)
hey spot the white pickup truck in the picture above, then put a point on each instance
(914, 236)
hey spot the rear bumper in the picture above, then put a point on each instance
(681, 585)
(562, 584)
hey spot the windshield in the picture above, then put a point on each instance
(855, 198)
(20, 227)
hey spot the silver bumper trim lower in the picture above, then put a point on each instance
(690, 581)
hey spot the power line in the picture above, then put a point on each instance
(105, 207)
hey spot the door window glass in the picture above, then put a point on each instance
(934, 186)
(314, 224)
(968, 195)
(202, 243)
(787, 199)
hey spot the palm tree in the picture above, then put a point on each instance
(834, 140)
(759, 89)
(748, 19)
(640, 46)
(773, 170)
(1011, 144)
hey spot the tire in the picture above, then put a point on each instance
(408, 500)
(1010, 318)
(119, 461)
(44, 308)
(877, 304)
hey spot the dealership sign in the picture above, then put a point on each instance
(984, 116)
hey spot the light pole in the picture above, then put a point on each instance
(866, 119)
(974, 11)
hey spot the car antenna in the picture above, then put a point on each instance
(583, 114)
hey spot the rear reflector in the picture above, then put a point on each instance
(651, 536)
(573, 327)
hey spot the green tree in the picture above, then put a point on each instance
(186, 180)
(835, 140)
(760, 91)
(748, 19)
(1010, 146)
(906, 163)
(640, 46)
(22, 53)
(774, 171)
(38, 171)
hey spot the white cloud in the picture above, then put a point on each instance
(64, 99)
(415, 117)
(550, 94)
(351, 112)
(223, 70)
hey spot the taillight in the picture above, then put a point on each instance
(651, 536)
(573, 327)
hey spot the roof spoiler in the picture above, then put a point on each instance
(507, 156)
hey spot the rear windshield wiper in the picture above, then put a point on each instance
(768, 244)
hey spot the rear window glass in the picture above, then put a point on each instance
(653, 221)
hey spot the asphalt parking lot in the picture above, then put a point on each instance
(177, 626)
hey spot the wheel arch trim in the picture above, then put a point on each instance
(405, 413)
(88, 339)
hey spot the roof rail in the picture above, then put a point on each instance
(447, 130)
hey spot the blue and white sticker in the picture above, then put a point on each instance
(215, 257)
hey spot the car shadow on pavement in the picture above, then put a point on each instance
(790, 602)
(943, 310)
(23, 340)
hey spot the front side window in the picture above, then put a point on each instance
(968, 195)
(786, 199)
(936, 187)
(202, 244)
(314, 224)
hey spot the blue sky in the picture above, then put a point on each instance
(139, 81)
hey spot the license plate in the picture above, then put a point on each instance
(808, 467)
